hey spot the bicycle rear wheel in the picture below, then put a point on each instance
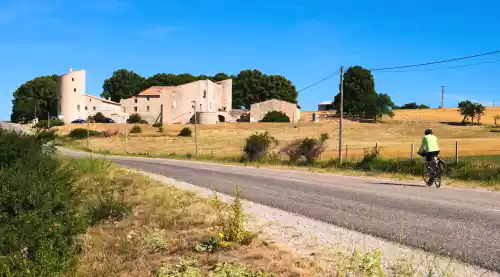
(426, 173)
(439, 173)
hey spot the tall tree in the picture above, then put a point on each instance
(360, 97)
(252, 86)
(39, 94)
(469, 109)
(123, 84)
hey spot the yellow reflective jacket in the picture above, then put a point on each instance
(429, 144)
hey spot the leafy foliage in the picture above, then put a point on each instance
(136, 129)
(39, 211)
(252, 86)
(471, 110)
(109, 208)
(413, 106)
(99, 118)
(122, 84)
(53, 123)
(275, 116)
(38, 94)
(185, 132)
(135, 118)
(258, 144)
(360, 98)
(81, 133)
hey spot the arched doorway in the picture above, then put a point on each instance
(222, 118)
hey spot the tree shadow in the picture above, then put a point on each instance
(396, 184)
(461, 123)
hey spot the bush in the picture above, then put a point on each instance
(275, 116)
(258, 145)
(109, 208)
(310, 148)
(136, 129)
(157, 125)
(135, 118)
(108, 133)
(40, 204)
(185, 132)
(53, 123)
(99, 118)
(81, 133)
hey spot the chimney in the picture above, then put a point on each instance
(70, 69)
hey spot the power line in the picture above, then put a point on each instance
(319, 82)
(437, 62)
(440, 68)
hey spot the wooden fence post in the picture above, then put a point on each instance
(346, 152)
(413, 151)
(456, 151)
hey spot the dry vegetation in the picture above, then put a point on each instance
(394, 136)
(163, 228)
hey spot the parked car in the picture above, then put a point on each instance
(78, 121)
(108, 120)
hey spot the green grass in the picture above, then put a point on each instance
(489, 159)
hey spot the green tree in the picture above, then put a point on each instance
(220, 77)
(471, 110)
(38, 94)
(360, 97)
(252, 86)
(123, 84)
(413, 106)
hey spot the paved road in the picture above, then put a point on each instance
(461, 223)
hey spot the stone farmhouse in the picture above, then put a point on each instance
(166, 104)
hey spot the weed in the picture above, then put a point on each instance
(231, 270)
(156, 241)
(109, 209)
(187, 267)
(136, 129)
(185, 132)
(258, 144)
(161, 130)
(81, 133)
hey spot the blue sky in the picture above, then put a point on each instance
(302, 40)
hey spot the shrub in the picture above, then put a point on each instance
(108, 208)
(157, 125)
(136, 129)
(16, 147)
(108, 133)
(275, 116)
(135, 118)
(46, 136)
(53, 123)
(156, 241)
(258, 145)
(99, 118)
(187, 267)
(40, 218)
(81, 133)
(185, 132)
(230, 269)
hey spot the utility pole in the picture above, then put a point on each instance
(341, 112)
(195, 129)
(442, 97)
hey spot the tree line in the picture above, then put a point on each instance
(38, 97)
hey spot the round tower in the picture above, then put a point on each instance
(71, 93)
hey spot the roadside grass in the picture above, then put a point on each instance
(157, 236)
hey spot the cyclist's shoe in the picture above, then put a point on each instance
(430, 182)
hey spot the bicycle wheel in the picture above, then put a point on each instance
(426, 173)
(439, 174)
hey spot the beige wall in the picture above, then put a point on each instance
(129, 106)
(259, 110)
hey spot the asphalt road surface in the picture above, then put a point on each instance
(461, 223)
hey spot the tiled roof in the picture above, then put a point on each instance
(154, 91)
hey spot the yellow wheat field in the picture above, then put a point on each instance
(395, 136)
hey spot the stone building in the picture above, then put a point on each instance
(212, 102)
(259, 110)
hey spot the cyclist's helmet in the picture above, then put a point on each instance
(428, 132)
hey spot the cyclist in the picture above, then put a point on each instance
(429, 148)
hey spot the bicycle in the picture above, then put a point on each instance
(433, 170)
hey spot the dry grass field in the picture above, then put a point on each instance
(395, 136)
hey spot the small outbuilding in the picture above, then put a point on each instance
(259, 110)
(325, 106)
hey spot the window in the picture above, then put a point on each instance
(147, 98)
(204, 94)
(174, 104)
(74, 89)
(201, 107)
(135, 101)
(135, 109)
(86, 108)
(93, 108)
(72, 79)
(210, 105)
(124, 109)
(147, 109)
(90, 99)
(78, 108)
